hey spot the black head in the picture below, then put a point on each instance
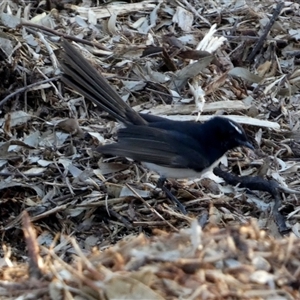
(227, 134)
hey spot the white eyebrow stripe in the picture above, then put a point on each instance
(236, 128)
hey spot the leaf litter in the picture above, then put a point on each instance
(94, 227)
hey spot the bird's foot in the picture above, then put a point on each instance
(161, 184)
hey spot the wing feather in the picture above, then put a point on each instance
(158, 146)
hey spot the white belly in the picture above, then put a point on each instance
(178, 173)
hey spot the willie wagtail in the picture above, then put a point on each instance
(173, 149)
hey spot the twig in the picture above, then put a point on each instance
(26, 88)
(239, 38)
(50, 51)
(195, 12)
(65, 36)
(35, 261)
(151, 208)
(260, 42)
(259, 184)
(57, 92)
(120, 218)
(78, 275)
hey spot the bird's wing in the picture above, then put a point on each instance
(158, 146)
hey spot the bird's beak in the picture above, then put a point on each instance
(247, 144)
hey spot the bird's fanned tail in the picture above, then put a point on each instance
(84, 78)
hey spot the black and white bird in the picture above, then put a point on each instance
(173, 149)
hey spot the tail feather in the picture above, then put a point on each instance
(84, 78)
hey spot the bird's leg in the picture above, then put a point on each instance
(161, 184)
